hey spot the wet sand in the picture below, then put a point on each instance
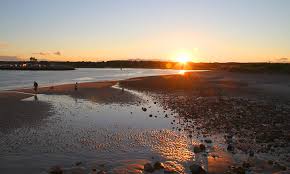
(242, 119)
(249, 111)
(15, 113)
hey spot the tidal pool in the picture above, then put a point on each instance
(118, 137)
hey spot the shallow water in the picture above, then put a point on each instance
(116, 136)
(11, 79)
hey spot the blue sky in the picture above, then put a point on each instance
(204, 30)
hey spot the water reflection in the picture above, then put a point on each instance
(111, 127)
(181, 72)
(35, 98)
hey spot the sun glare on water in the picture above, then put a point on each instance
(181, 72)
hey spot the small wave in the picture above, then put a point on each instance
(84, 79)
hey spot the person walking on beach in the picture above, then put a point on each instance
(35, 85)
(76, 86)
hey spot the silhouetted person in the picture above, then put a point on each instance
(76, 86)
(35, 85)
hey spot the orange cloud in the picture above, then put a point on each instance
(42, 53)
(9, 58)
(57, 53)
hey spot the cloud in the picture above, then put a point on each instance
(3, 45)
(57, 53)
(42, 53)
(284, 59)
(9, 58)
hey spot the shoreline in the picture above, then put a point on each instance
(227, 80)
(69, 80)
(230, 104)
(87, 84)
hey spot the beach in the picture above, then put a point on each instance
(222, 121)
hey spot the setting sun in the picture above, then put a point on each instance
(183, 58)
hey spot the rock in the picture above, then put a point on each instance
(196, 169)
(158, 165)
(239, 170)
(279, 166)
(78, 163)
(270, 162)
(208, 141)
(148, 168)
(78, 170)
(230, 148)
(196, 149)
(246, 164)
(94, 171)
(150, 115)
(55, 170)
(144, 109)
(251, 153)
(202, 147)
(167, 171)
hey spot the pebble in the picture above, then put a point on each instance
(246, 164)
(196, 149)
(78, 170)
(202, 147)
(196, 169)
(158, 165)
(208, 141)
(78, 163)
(148, 168)
(239, 170)
(251, 153)
(230, 148)
(55, 170)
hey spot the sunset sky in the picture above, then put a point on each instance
(94, 30)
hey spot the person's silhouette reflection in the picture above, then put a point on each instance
(35, 98)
